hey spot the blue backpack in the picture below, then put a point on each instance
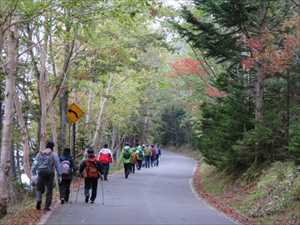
(45, 163)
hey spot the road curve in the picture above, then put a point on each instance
(156, 196)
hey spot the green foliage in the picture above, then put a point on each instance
(223, 124)
(229, 139)
(294, 145)
(173, 129)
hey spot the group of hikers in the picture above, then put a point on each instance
(93, 166)
(139, 156)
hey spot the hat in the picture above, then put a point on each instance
(126, 147)
(90, 151)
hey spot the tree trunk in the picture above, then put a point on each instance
(18, 164)
(64, 95)
(25, 136)
(43, 80)
(259, 97)
(13, 166)
(89, 109)
(101, 111)
(53, 120)
(63, 108)
(1, 117)
(114, 137)
(8, 118)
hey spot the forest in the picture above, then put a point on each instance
(218, 76)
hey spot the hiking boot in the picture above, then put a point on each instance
(86, 199)
(47, 209)
(92, 202)
(62, 201)
(38, 205)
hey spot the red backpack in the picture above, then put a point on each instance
(91, 168)
(105, 158)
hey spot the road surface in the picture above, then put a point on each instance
(155, 196)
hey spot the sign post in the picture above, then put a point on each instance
(74, 114)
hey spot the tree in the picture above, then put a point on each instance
(6, 142)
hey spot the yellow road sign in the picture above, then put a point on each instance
(74, 113)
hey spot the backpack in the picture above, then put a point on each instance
(126, 154)
(65, 167)
(105, 158)
(45, 163)
(141, 155)
(91, 169)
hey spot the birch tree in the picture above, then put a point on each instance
(6, 142)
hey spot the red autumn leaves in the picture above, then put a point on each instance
(271, 52)
(189, 67)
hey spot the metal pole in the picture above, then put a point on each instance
(78, 189)
(74, 141)
(69, 135)
(102, 188)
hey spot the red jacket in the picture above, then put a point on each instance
(105, 156)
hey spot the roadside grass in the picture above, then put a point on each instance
(272, 199)
(22, 213)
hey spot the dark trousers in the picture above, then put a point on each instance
(64, 189)
(147, 161)
(127, 168)
(90, 183)
(105, 170)
(45, 181)
(153, 161)
(132, 167)
(139, 164)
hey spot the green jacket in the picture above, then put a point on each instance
(122, 159)
(147, 152)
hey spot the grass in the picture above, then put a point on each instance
(22, 213)
(273, 199)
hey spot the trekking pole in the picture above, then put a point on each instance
(102, 190)
(71, 192)
(78, 189)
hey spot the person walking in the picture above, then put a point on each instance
(158, 155)
(133, 160)
(147, 154)
(153, 155)
(105, 158)
(140, 157)
(67, 171)
(90, 169)
(44, 166)
(125, 158)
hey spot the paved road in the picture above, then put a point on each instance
(157, 196)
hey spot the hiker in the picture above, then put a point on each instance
(140, 157)
(133, 159)
(90, 169)
(125, 158)
(153, 155)
(44, 166)
(105, 158)
(67, 171)
(147, 155)
(158, 154)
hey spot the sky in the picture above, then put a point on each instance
(176, 3)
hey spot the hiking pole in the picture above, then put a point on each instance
(102, 190)
(78, 189)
